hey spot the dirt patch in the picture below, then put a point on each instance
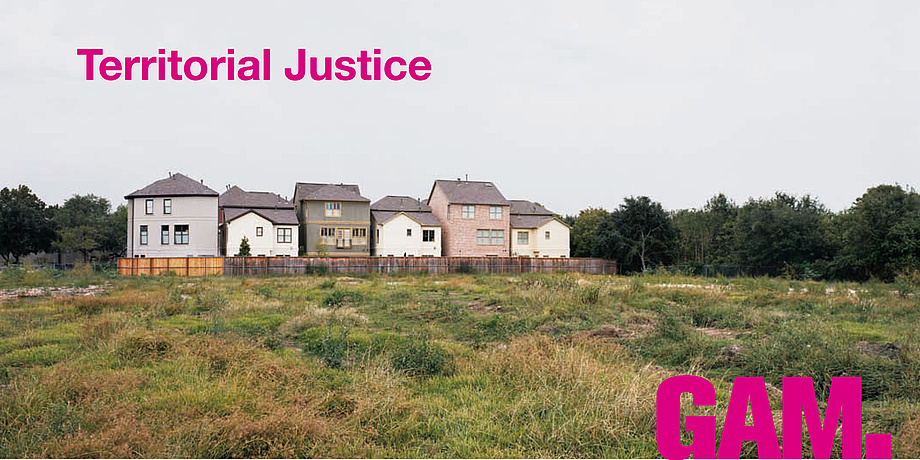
(717, 333)
(606, 332)
(89, 291)
(885, 350)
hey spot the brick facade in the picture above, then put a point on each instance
(459, 234)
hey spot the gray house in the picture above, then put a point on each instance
(334, 219)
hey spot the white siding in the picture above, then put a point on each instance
(198, 212)
(394, 241)
(265, 245)
(538, 246)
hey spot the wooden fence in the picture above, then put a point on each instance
(182, 266)
(203, 266)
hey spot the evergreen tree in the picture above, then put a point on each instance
(245, 250)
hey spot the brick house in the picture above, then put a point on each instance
(334, 219)
(475, 218)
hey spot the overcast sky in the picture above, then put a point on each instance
(569, 103)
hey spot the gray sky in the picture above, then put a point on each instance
(572, 104)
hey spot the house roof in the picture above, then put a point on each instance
(174, 185)
(275, 216)
(471, 192)
(519, 221)
(529, 208)
(337, 192)
(425, 219)
(399, 203)
(238, 198)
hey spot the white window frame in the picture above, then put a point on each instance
(333, 209)
(467, 211)
(358, 236)
(495, 212)
(482, 236)
(498, 237)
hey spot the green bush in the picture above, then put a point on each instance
(421, 358)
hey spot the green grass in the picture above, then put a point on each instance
(467, 365)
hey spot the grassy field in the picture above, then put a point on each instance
(422, 366)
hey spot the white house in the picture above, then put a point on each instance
(537, 232)
(404, 227)
(172, 217)
(266, 219)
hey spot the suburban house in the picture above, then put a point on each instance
(537, 232)
(475, 218)
(265, 219)
(404, 226)
(334, 219)
(172, 217)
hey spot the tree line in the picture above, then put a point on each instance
(84, 223)
(877, 237)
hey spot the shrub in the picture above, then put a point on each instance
(421, 358)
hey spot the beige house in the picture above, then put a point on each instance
(172, 217)
(537, 232)
(265, 219)
(334, 219)
(404, 227)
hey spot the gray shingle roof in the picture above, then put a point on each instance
(425, 219)
(519, 221)
(399, 203)
(275, 216)
(529, 208)
(337, 192)
(174, 185)
(239, 198)
(471, 192)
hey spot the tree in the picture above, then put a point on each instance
(84, 224)
(878, 234)
(245, 250)
(638, 234)
(783, 230)
(584, 228)
(705, 235)
(26, 226)
(114, 240)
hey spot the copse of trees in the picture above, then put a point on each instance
(877, 237)
(83, 224)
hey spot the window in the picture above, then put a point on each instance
(523, 238)
(495, 212)
(547, 234)
(284, 235)
(149, 208)
(333, 209)
(343, 238)
(498, 237)
(408, 232)
(164, 234)
(468, 212)
(181, 234)
(258, 231)
(427, 235)
(167, 206)
(359, 236)
(327, 235)
(143, 234)
(482, 237)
